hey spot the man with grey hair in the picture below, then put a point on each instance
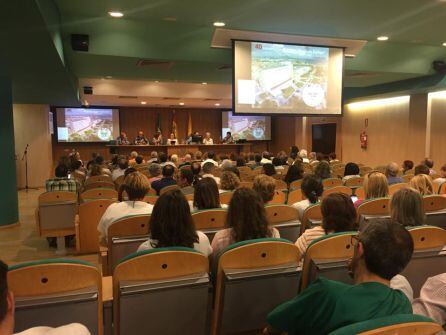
(155, 172)
(208, 172)
(153, 157)
(187, 160)
(392, 174)
(226, 164)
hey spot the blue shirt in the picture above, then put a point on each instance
(157, 185)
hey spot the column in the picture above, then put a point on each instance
(9, 212)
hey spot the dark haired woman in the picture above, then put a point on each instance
(246, 220)
(295, 172)
(206, 195)
(338, 215)
(269, 169)
(351, 170)
(171, 225)
(311, 190)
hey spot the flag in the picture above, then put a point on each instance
(174, 124)
(189, 124)
(158, 123)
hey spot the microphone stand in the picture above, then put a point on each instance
(25, 157)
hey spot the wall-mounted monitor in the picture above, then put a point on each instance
(246, 127)
(273, 78)
(87, 124)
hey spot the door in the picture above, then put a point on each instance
(324, 138)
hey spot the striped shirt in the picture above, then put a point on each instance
(62, 184)
(307, 237)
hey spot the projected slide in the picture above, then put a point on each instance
(251, 128)
(87, 125)
(279, 78)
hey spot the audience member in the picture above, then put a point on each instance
(185, 180)
(132, 159)
(206, 195)
(198, 156)
(332, 158)
(266, 158)
(295, 172)
(208, 171)
(166, 180)
(312, 190)
(338, 215)
(163, 159)
(322, 170)
(406, 207)
(240, 162)
(392, 174)
(196, 170)
(171, 225)
(61, 182)
(123, 165)
(77, 169)
(257, 161)
(229, 181)
(99, 160)
(246, 220)
(407, 166)
(234, 170)
(375, 186)
(154, 172)
(210, 159)
(136, 187)
(421, 169)
(351, 170)
(381, 251)
(187, 160)
(139, 160)
(153, 157)
(303, 154)
(225, 163)
(423, 184)
(430, 164)
(432, 300)
(269, 169)
(442, 177)
(265, 186)
(277, 163)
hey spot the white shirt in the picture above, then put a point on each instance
(305, 160)
(208, 175)
(301, 206)
(202, 246)
(172, 142)
(117, 173)
(195, 209)
(71, 329)
(119, 210)
(265, 161)
(400, 282)
(168, 163)
(209, 161)
(208, 141)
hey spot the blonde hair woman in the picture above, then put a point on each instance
(265, 186)
(229, 181)
(423, 184)
(406, 207)
(375, 186)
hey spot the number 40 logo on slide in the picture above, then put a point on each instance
(259, 46)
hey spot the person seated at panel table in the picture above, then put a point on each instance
(228, 139)
(207, 140)
(141, 139)
(122, 139)
(7, 309)
(172, 140)
(157, 138)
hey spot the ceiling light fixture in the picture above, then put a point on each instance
(204, 83)
(143, 102)
(157, 81)
(444, 44)
(181, 103)
(219, 24)
(382, 38)
(349, 55)
(108, 77)
(217, 104)
(115, 14)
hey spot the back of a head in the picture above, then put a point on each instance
(198, 155)
(206, 195)
(162, 157)
(322, 170)
(226, 163)
(422, 183)
(429, 163)
(406, 207)
(3, 292)
(277, 161)
(129, 171)
(332, 156)
(133, 154)
(392, 170)
(351, 169)
(229, 181)
(338, 213)
(312, 188)
(376, 185)
(421, 169)
(266, 155)
(154, 170)
(171, 222)
(294, 149)
(139, 159)
(187, 157)
(269, 169)
(257, 158)
(168, 171)
(76, 165)
(153, 154)
(295, 172)
(234, 170)
(136, 185)
(99, 160)
(241, 162)
(174, 158)
(303, 153)
(187, 174)
(265, 186)
(96, 170)
(407, 165)
(246, 216)
(123, 163)
(61, 171)
(208, 168)
(211, 155)
(196, 168)
(388, 247)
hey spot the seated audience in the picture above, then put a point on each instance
(234, 170)
(332, 158)
(123, 165)
(208, 171)
(432, 300)
(265, 186)
(392, 174)
(421, 169)
(77, 169)
(375, 186)
(136, 187)
(295, 172)
(210, 159)
(154, 172)
(139, 160)
(406, 207)
(187, 160)
(240, 162)
(196, 170)
(269, 169)
(185, 180)
(99, 160)
(229, 181)
(407, 166)
(322, 170)
(430, 164)
(257, 161)
(351, 170)
(163, 159)
(206, 195)
(61, 182)
(442, 177)
(338, 215)
(132, 158)
(225, 163)
(153, 157)
(95, 171)
(171, 225)
(246, 220)
(381, 251)
(198, 156)
(423, 184)
(166, 180)
(266, 158)
(312, 190)
(303, 155)
(277, 162)
(174, 159)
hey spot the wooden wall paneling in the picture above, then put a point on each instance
(416, 138)
(438, 132)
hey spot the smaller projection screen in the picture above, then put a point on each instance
(273, 78)
(246, 127)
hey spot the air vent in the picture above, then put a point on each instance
(209, 99)
(127, 97)
(154, 63)
(170, 98)
(225, 67)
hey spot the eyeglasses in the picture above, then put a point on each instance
(354, 240)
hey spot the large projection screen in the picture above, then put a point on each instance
(273, 78)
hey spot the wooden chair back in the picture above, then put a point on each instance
(281, 185)
(428, 237)
(99, 193)
(281, 213)
(337, 189)
(409, 328)
(48, 198)
(132, 225)
(210, 219)
(354, 182)
(311, 213)
(442, 188)
(226, 197)
(395, 187)
(331, 182)
(433, 203)
(99, 179)
(296, 184)
(169, 188)
(151, 199)
(338, 171)
(360, 193)
(379, 206)
(294, 196)
(99, 184)
(407, 177)
(87, 235)
(279, 197)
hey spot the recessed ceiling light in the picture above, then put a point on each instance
(217, 104)
(143, 102)
(382, 38)
(156, 81)
(349, 55)
(108, 77)
(219, 24)
(115, 14)
(444, 44)
(204, 83)
(181, 103)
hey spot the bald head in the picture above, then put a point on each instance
(392, 169)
